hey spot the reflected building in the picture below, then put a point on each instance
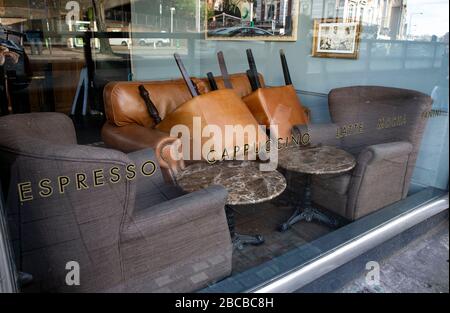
(278, 11)
(388, 15)
(382, 19)
(263, 13)
(50, 15)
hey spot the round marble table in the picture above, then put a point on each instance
(245, 184)
(318, 160)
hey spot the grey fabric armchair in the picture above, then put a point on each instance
(382, 127)
(132, 233)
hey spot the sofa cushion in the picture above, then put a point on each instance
(277, 106)
(124, 105)
(220, 108)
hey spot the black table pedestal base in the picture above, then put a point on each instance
(308, 214)
(305, 211)
(239, 241)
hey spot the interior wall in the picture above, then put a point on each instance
(419, 65)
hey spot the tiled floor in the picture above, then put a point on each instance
(264, 219)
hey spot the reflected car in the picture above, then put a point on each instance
(217, 30)
(155, 42)
(239, 32)
(126, 42)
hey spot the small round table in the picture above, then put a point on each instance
(245, 183)
(317, 160)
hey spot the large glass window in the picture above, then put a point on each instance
(382, 113)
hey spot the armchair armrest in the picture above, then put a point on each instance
(133, 137)
(182, 210)
(380, 170)
(320, 133)
(385, 151)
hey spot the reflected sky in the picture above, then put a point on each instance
(433, 20)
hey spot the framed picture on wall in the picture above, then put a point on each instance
(263, 20)
(335, 38)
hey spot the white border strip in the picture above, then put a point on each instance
(347, 252)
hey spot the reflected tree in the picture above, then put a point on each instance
(99, 11)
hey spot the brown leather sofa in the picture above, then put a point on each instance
(129, 127)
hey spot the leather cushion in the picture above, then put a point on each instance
(279, 106)
(124, 105)
(220, 107)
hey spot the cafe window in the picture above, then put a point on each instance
(338, 119)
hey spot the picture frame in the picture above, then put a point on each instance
(336, 38)
(251, 20)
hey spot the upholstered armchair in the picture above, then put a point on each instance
(382, 127)
(110, 212)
